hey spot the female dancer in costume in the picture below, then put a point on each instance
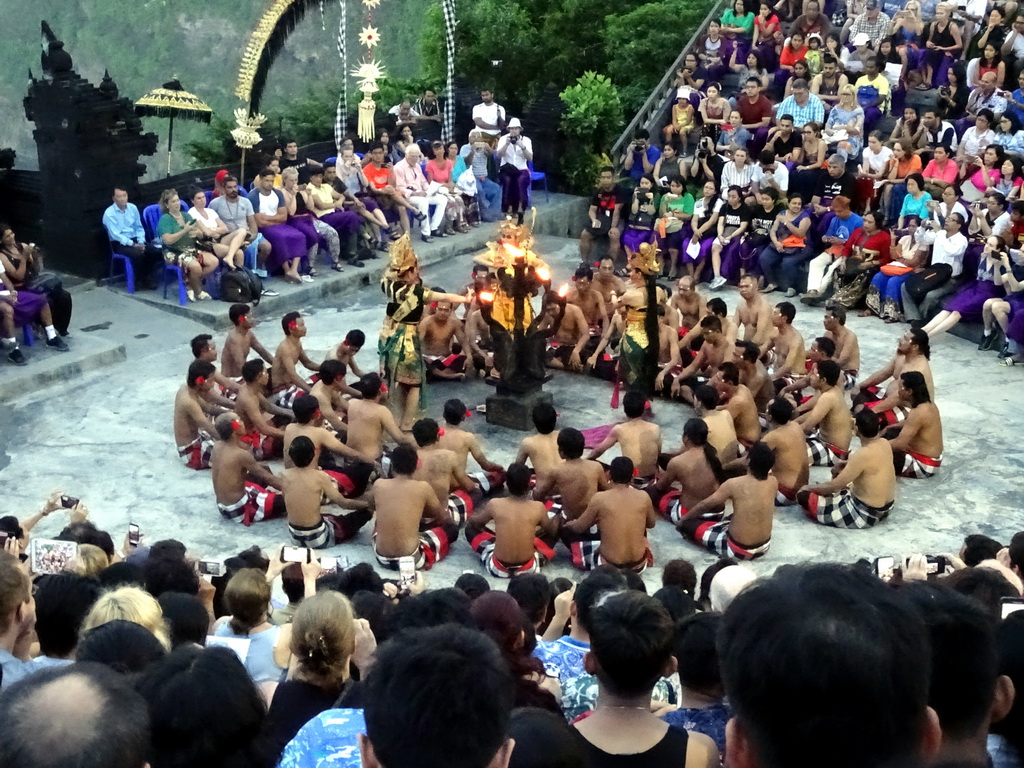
(638, 352)
(399, 345)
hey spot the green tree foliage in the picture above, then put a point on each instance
(641, 44)
(593, 118)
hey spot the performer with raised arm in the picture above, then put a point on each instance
(399, 345)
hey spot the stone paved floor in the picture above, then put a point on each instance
(106, 437)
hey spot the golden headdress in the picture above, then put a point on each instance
(646, 259)
(401, 256)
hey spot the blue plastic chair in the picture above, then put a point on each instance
(129, 268)
(209, 195)
(150, 220)
(30, 336)
(536, 176)
(331, 159)
(182, 296)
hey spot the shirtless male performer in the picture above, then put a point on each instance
(608, 284)
(917, 442)
(369, 419)
(222, 397)
(540, 451)
(590, 301)
(695, 336)
(348, 349)
(864, 492)
(688, 304)
(193, 430)
(264, 434)
(753, 374)
(847, 352)
(827, 425)
(721, 430)
(462, 443)
(787, 344)
(745, 530)
(440, 467)
(566, 345)
(696, 470)
(524, 535)
(622, 514)
(912, 353)
(240, 483)
(328, 390)
(786, 438)
(639, 440)
(239, 341)
(284, 378)
(305, 488)
(822, 348)
(410, 520)
(715, 350)
(350, 468)
(754, 314)
(570, 485)
(439, 332)
(735, 398)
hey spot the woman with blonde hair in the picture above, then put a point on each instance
(845, 124)
(325, 638)
(91, 561)
(180, 234)
(129, 604)
(247, 598)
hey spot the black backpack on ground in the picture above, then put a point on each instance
(241, 286)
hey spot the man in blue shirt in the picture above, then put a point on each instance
(128, 238)
(640, 156)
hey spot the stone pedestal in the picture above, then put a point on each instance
(515, 411)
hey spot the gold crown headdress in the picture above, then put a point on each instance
(401, 256)
(646, 259)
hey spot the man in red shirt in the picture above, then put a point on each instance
(755, 114)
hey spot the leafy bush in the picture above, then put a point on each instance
(592, 120)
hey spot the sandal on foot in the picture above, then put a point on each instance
(337, 267)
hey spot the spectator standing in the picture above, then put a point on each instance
(640, 156)
(489, 117)
(515, 153)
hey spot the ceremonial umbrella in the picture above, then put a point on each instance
(173, 101)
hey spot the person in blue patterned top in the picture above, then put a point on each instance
(702, 708)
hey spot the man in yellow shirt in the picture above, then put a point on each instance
(872, 93)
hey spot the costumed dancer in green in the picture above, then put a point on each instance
(399, 344)
(638, 351)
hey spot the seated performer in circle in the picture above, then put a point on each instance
(523, 536)
(745, 530)
(241, 484)
(864, 492)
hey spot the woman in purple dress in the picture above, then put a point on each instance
(968, 303)
(701, 235)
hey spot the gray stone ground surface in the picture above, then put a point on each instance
(105, 434)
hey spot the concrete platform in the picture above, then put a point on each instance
(559, 215)
(106, 437)
(89, 352)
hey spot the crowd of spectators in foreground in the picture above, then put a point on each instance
(131, 658)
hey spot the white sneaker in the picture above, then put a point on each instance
(307, 279)
(204, 296)
(717, 283)
(191, 294)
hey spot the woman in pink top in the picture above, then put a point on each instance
(439, 170)
(973, 189)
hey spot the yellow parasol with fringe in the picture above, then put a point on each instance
(173, 101)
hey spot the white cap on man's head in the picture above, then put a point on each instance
(728, 583)
(514, 123)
